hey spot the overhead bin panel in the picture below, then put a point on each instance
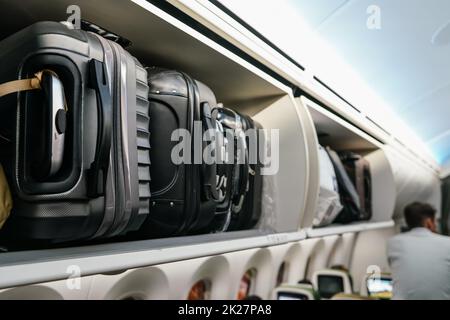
(413, 182)
(313, 157)
(290, 183)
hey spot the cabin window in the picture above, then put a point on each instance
(247, 284)
(201, 290)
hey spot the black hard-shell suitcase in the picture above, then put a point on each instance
(235, 169)
(249, 213)
(184, 193)
(245, 186)
(349, 197)
(358, 170)
(99, 186)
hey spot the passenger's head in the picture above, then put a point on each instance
(420, 215)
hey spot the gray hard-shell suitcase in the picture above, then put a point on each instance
(100, 185)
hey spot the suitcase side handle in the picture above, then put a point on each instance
(244, 157)
(98, 171)
(209, 170)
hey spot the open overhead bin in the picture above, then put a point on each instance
(158, 39)
(336, 134)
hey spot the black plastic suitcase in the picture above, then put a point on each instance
(185, 194)
(94, 182)
(349, 196)
(244, 208)
(249, 213)
(235, 169)
(358, 170)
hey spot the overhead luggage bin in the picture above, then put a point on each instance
(156, 39)
(339, 135)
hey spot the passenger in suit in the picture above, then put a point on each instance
(420, 258)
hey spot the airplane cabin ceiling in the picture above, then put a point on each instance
(398, 61)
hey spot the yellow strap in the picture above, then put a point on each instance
(27, 84)
(21, 85)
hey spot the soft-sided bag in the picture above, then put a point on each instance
(329, 204)
(358, 169)
(348, 194)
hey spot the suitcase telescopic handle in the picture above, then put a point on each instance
(98, 171)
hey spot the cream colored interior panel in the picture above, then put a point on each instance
(279, 256)
(184, 274)
(383, 186)
(138, 284)
(34, 292)
(295, 263)
(76, 288)
(309, 249)
(414, 182)
(313, 153)
(291, 178)
(370, 250)
(342, 251)
(259, 259)
(320, 255)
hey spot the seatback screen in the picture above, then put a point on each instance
(329, 285)
(380, 288)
